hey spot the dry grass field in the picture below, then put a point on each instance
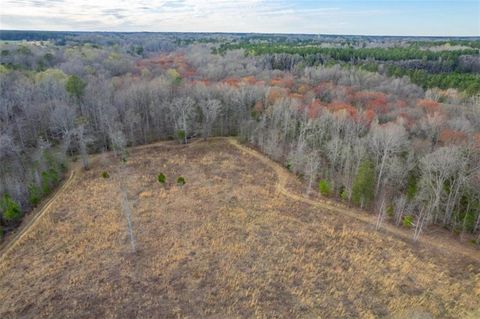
(227, 244)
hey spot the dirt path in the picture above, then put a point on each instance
(10, 242)
(36, 217)
(446, 246)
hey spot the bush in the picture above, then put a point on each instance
(324, 187)
(181, 180)
(412, 187)
(407, 221)
(161, 178)
(105, 175)
(390, 210)
(34, 194)
(49, 180)
(181, 135)
(342, 192)
(75, 86)
(10, 209)
(364, 184)
(124, 156)
(63, 167)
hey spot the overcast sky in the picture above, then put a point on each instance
(380, 17)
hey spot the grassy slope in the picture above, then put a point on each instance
(224, 245)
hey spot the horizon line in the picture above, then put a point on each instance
(250, 32)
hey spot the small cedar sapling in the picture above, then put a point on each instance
(181, 181)
(34, 194)
(407, 221)
(324, 187)
(181, 135)
(161, 178)
(10, 209)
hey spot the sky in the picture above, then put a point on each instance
(379, 17)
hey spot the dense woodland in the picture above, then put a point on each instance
(389, 125)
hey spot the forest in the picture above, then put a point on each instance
(391, 125)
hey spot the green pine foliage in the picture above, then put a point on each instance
(11, 211)
(34, 194)
(75, 86)
(364, 184)
(407, 221)
(49, 179)
(324, 187)
(181, 134)
(412, 186)
(161, 178)
(180, 181)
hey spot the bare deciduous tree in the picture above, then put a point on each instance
(210, 110)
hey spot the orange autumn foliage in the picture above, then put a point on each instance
(369, 115)
(258, 106)
(428, 105)
(449, 136)
(296, 96)
(231, 82)
(314, 109)
(249, 80)
(275, 93)
(341, 107)
(302, 89)
(400, 104)
(476, 140)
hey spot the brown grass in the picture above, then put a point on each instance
(225, 245)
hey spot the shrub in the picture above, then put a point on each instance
(390, 210)
(181, 180)
(75, 86)
(181, 135)
(364, 184)
(124, 156)
(49, 179)
(10, 209)
(412, 186)
(457, 230)
(34, 194)
(105, 175)
(324, 187)
(161, 178)
(407, 221)
(343, 193)
(63, 167)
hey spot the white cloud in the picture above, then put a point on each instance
(277, 16)
(161, 15)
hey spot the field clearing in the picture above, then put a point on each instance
(226, 244)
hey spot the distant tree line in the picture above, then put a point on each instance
(444, 69)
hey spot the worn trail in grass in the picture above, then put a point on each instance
(228, 244)
(437, 242)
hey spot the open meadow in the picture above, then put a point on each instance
(227, 244)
